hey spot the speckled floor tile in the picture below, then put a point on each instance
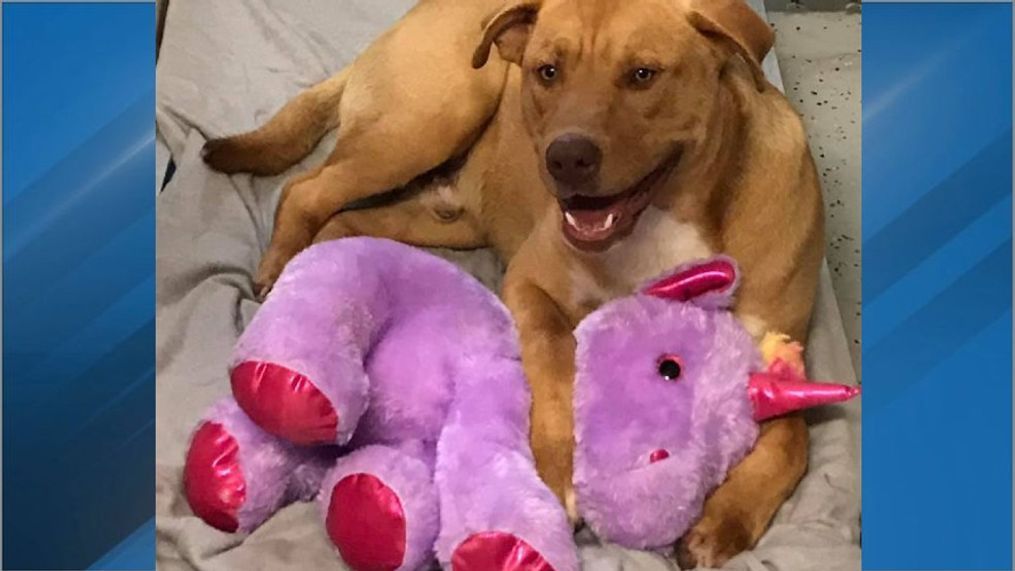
(819, 56)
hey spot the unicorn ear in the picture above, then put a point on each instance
(706, 283)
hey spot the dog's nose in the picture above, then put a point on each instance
(573, 159)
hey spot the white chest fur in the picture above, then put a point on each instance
(658, 244)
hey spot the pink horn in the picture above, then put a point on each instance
(711, 276)
(774, 396)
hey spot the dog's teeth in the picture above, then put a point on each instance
(608, 223)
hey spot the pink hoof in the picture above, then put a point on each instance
(284, 403)
(212, 478)
(367, 523)
(497, 551)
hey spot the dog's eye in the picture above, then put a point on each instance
(548, 73)
(643, 76)
(670, 367)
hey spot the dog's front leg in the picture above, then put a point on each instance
(548, 349)
(739, 511)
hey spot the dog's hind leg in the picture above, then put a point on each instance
(371, 158)
(410, 105)
(422, 219)
(288, 137)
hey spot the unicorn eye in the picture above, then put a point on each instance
(670, 367)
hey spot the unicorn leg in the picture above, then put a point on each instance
(236, 475)
(380, 509)
(496, 514)
(297, 370)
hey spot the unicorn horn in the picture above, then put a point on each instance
(774, 395)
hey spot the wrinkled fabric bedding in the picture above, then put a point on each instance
(226, 66)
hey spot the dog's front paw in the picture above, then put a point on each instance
(571, 507)
(713, 541)
(556, 474)
(561, 486)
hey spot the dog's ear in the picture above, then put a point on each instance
(737, 25)
(509, 28)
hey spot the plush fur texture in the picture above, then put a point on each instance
(625, 410)
(409, 473)
(421, 363)
(485, 461)
(286, 473)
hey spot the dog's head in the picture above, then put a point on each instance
(615, 91)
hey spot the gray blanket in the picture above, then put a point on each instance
(226, 66)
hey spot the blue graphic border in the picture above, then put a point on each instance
(937, 284)
(78, 299)
(79, 285)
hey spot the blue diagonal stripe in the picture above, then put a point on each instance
(911, 349)
(138, 546)
(937, 217)
(83, 204)
(108, 375)
(938, 271)
(80, 307)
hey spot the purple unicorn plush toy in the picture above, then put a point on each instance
(669, 392)
(387, 383)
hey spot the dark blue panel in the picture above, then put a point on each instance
(79, 286)
(937, 283)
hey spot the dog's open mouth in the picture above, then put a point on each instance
(595, 222)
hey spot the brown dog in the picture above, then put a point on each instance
(609, 142)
